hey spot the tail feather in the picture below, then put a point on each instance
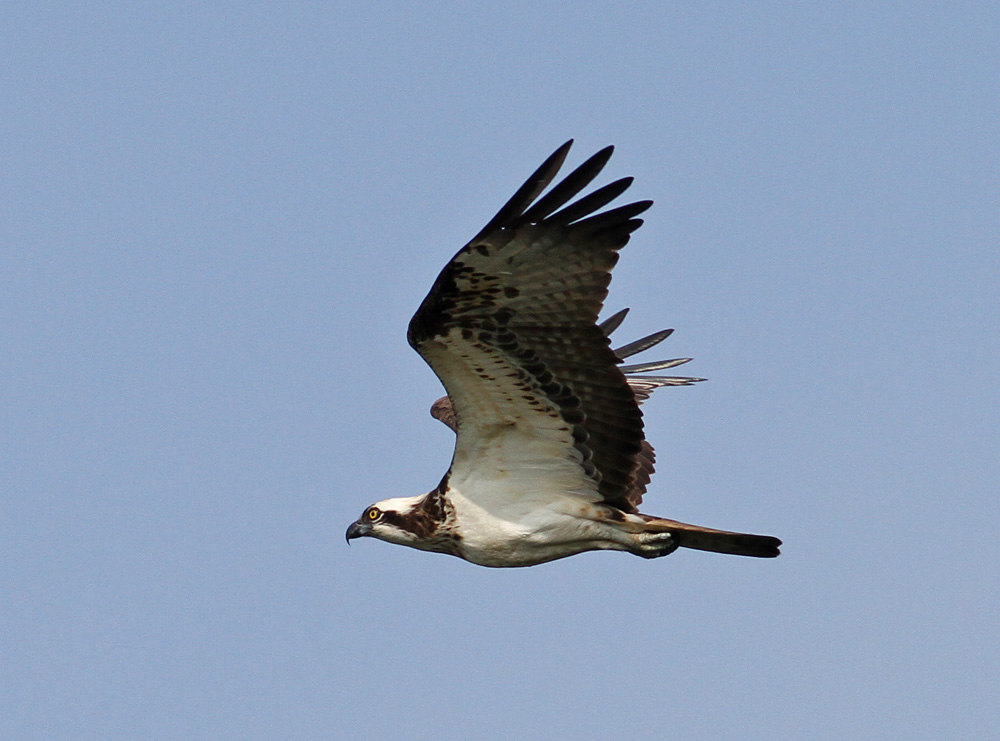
(716, 541)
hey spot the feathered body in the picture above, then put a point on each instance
(550, 458)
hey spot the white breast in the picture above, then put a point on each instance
(516, 519)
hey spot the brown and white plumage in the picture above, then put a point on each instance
(550, 457)
(642, 386)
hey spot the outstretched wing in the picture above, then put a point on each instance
(510, 328)
(642, 387)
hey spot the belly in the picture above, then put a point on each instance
(504, 544)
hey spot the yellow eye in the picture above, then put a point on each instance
(373, 513)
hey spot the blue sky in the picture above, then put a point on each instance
(216, 222)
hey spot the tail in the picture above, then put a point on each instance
(717, 541)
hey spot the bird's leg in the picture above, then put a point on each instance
(653, 545)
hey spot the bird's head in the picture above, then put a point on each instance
(391, 520)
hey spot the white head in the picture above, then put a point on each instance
(399, 520)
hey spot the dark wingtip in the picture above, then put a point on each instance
(528, 191)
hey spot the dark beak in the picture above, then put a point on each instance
(357, 530)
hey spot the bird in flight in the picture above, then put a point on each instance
(550, 458)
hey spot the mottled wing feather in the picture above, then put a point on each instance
(642, 473)
(642, 387)
(510, 329)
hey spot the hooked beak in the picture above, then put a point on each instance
(358, 530)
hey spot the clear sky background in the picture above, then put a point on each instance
(215, 222)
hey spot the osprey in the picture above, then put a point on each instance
(550, 458)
